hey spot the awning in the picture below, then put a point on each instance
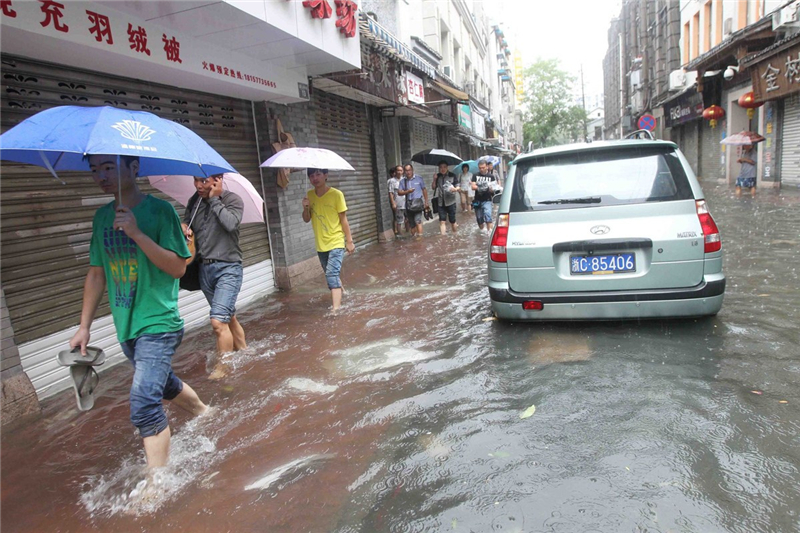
(455, 93)
(385, 37)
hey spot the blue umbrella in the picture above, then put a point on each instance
(59, 138)
(473, 165)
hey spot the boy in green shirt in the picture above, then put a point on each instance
(138, 252)
(325, 208)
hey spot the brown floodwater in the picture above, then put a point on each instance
(402, 413)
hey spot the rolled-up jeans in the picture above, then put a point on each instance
(331, 262)
(153, 379)
(221, 282)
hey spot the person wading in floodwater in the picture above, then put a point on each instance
(138, 252)
(326, 209)
(214, 215)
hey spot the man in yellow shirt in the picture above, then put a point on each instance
(325, 208)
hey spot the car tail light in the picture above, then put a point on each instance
(711, 238)
(499, 240)
(532, 305)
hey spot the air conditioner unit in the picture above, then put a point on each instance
(469, 87)
(787, 17)
(447, 70)
(677, 80)
(727, 26)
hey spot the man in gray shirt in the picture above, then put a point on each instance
(213, 216)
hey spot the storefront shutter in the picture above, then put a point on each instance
(790, 147)
(343, 126)
(46, 226)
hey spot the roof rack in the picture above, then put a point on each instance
(641, 134)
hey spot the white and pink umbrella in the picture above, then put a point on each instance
(181, 188)
(307, 158)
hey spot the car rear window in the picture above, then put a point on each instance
(596, 178)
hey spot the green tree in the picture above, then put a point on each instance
(549, 116)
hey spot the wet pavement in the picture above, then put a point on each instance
(403, 413)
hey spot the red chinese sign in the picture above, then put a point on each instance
(52, 15)
(346, 11)
(173, 48)
(101, 27)
(138, 39)
(8, 11)
(237, 74)
(320, 9)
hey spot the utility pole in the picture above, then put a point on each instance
(621, 86)
(583, 100)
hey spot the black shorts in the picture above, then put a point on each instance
(448, 212)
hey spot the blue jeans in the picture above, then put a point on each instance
(483, 212)
(153, 379)
(221, 283)
(332, 265)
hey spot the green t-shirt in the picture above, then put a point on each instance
(143, 298)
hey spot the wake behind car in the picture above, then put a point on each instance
(604, 231)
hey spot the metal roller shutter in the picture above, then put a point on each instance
(343, 126)
(790, 147)
(46, 226)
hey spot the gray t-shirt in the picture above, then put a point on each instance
(216, 226)
(394, 185)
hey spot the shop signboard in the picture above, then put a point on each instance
(378, 76)
(95, 36)
(685, 108)
(777, 75)
(415, 88)
(479, 125)
(465, 116)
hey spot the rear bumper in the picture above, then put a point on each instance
(701, 300)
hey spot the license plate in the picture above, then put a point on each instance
(602, 264)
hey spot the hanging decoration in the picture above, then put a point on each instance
(713, 114)
(748, 101)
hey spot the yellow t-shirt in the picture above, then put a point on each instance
(328, 232)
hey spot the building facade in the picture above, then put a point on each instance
(643, 48)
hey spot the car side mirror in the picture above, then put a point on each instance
(496, 198)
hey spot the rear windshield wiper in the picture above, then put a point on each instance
(586, 200)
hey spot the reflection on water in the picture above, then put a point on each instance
(402, 413)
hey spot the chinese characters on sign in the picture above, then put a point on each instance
(138, 39)
(8, 11)
(346, 11)
(320, 9)
(53, 15)
(101, 28)
(778, 75)
(771, 75)
(415, 88)
(173, 48)
(237, 74)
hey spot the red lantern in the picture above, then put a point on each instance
(713, 114)
(748, 101)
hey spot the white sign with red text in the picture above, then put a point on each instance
(416, 89)
(96, 37)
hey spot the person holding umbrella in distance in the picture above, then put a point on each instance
(326, 209)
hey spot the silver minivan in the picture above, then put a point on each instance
(604, 231)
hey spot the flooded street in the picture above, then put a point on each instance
(403, 413)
